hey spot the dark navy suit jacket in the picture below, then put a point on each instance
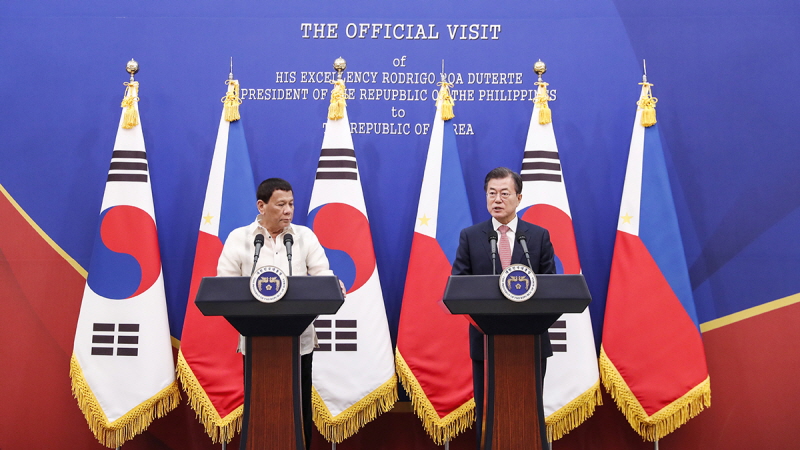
(474, 257)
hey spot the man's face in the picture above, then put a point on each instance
(278, 212)
(502, 199)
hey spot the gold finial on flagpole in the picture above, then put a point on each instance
(231, 101)
(131, 117)
(132, 67)
(338, 94)
(539, 68)
(340, 65)
(542, 95)
(647, 103)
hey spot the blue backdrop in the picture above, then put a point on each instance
(722, 72)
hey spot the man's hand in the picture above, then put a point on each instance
(344, 291)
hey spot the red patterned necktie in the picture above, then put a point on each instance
(504, 246)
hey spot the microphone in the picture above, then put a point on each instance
(493, 243)
(258, 243)
(523, 241)
(288, 240)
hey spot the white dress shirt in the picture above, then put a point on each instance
(308, 258)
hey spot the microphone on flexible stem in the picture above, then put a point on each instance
(288, 240)
(258, 243)
(523, 241)
(493, 243)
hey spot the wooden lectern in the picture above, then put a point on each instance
(272, 412)
(513, 417)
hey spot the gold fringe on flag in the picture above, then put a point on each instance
(447, 100)
(668, 418)
(574, 413)
(232, 101)
(336, 108)
(219, 429)
(541, 99)
(131, 118)
(135, 421)
(647, 103)
(348, 422)
(439, 429)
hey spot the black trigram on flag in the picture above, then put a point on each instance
(336, 335)
(541, 165)
(337, 164)
(558, 336)
(123, 337)
(128, 165)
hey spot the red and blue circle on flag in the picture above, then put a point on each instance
(344, 233)
(126, 260)
(562, 235)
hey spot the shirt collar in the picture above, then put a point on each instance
(512, 225)
(256, 228)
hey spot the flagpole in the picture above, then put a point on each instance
(230, 78)
(446, 441)
(644, 79)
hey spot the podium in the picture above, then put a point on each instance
(513, 417)
(272, 413)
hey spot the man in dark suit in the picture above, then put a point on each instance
(503, 189)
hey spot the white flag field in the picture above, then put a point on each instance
(353, 371)
(572, 381)
(122, 370)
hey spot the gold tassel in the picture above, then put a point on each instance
(574, 413)
(336, 108)
(131, 118)
(135, 421)
(219, 429)
(442, 429)
(542, 97)
(668, 418)
(348, 422)
(647, 103)
(232, 101)
(447, 100)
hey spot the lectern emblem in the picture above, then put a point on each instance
(518, 282)
(268, 284)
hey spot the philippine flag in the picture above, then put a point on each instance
(432, 345)
(353, 374)
(122, 371)
(572, 381)
(209, 367)
(652, 359)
